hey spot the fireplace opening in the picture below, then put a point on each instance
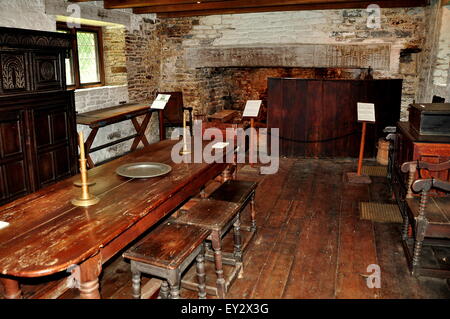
(229, 88)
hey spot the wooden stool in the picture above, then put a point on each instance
(166, 252)
(218, 217)
(240, 192)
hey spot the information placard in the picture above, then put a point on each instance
(366, 112)
(252, 108)
(160, 102)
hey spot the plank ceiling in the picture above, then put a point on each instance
(186, 8)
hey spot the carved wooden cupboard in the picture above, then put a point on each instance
(37, 113)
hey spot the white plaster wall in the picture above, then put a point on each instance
(25, 14)
(442, 64)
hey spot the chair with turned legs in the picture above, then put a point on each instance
(166, 253)
(426, 229)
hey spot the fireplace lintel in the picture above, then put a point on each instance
(376, 56)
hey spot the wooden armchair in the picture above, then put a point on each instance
(172, 116)
(427, 222)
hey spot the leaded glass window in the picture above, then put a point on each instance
(87, 44)
(84, 63)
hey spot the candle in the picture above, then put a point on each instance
(81, 142)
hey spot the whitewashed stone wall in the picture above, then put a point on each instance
(400, 28)
(442, 64)
(25, 14)
(434, 75)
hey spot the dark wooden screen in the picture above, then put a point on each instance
(318, 118)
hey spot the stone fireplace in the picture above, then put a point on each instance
(230, 88)
(233, 75)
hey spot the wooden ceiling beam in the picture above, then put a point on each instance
(121, 4)
(118, 4)
(228, 4)
(169, 11)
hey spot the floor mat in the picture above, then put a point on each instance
(380, 212)
(374, 170)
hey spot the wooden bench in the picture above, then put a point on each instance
(218, 217)
(166, 252)
(240, 192)
(427, 222)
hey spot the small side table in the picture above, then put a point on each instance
(115, 114)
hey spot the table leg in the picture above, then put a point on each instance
(237, 240)
(89, 272)
(140, 129)
(88, 145)
(162, 131)
(12, 288)
(217, 246)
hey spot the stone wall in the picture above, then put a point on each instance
(403, 29)
(114, 55)
(434, 77)
(26, 14)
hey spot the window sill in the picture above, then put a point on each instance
(104, 87)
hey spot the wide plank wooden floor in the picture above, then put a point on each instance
(311, 242)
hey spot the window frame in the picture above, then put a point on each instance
(75, 59)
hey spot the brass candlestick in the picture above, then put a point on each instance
(185, 150)
(86, 199)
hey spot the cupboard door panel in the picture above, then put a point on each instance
(14, 181)
(13, 72)
(53, 142)
(42, 129)
(46, 169)
(16, 178)
(47, 71)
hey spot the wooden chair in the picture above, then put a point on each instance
(166, 252)
(218, 217)
(172, 115)
(239, 192)
(427, 221)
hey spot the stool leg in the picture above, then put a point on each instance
(217, 246)
(201, 276)
(175, 291)
(164, 290)
(253, 213)
(136, 282)
(174, 279)
(237, 240)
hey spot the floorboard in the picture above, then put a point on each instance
(310, 242)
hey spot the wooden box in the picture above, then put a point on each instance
(430, 118)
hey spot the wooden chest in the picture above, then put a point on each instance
(430, 118)
(410, 146)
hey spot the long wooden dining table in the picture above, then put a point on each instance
(47, 234)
